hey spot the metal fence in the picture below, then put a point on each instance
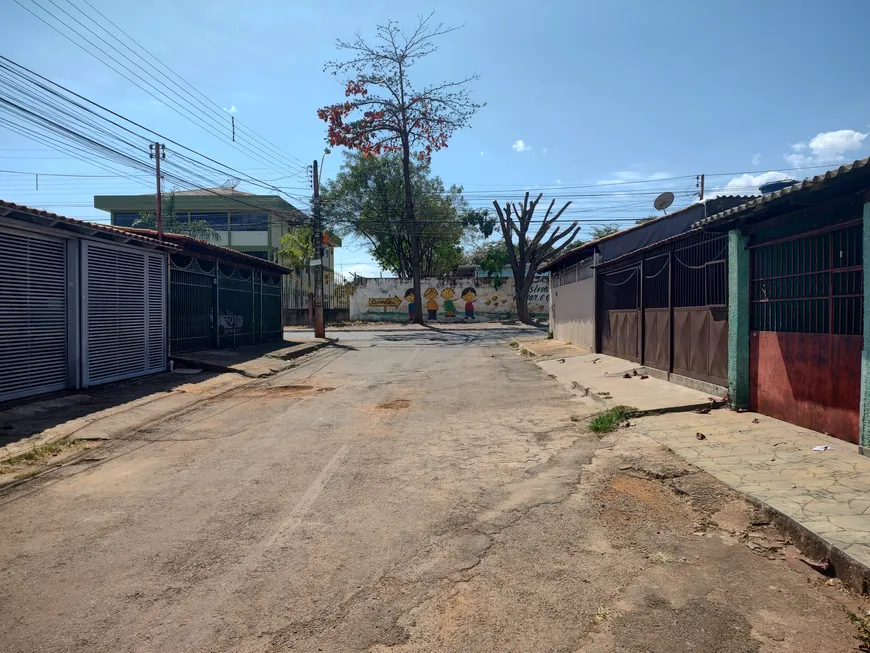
(810, 283)
(221, 305)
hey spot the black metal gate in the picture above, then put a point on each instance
(191, 304)
(221, 305)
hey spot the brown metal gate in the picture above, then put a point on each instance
(700, 278)
(620, 313)
(676, 320)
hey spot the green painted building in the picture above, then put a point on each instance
(242, 221)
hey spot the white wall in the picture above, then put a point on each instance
(384, 299)
(572, 312)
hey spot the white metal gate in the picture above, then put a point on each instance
(124, 313)
(33, 314)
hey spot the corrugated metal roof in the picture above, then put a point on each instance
(805, 185)
(184, 241)
(566, 258)
(82, 225)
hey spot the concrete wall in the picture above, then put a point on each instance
(572, 306)
(299, 316)
(574, 313)
(386, 299)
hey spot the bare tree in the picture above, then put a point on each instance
(527, 254)
(383, 111)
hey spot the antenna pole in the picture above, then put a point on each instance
(702, 187)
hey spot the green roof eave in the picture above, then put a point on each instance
(205, 203)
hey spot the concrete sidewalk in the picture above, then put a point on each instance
(615, 382)
(252, 361)
(821, 498)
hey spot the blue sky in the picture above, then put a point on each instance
(579, 93)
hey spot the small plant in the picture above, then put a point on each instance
(42, 451)
(662, 558)
(862, 624)
(550, 334)
(602, 614)
(514, 344)
(608, 420)
(575, 418)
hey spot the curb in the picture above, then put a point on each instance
(286, 354)
(854, 574)
(607, 402)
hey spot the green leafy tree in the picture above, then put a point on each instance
(296, 248)
(602, 230)
(492, 257)
(366, 200)
(172, 225)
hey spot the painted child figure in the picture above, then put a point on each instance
(409, 297)
(469, 295)
(449, 306)
(431, 305)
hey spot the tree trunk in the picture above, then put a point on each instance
(411, 226)
(523, 308)
(522, 291)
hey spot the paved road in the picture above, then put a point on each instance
(411, 491)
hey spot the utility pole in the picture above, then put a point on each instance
(702, 188)
(317, 235)
(158, 152)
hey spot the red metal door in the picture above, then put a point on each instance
(806, 329)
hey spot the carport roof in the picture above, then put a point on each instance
(93, 229)
(194, 245)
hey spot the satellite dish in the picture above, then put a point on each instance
(663, 201)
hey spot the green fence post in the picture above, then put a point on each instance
(738, 320)
(864, 405)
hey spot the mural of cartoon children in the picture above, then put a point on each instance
(431, 305)
(409, 297)
(449, 307)
(469, 295)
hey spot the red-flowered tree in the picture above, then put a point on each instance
(385, 112)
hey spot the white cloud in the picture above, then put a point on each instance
(520, 146)
(798, 160)
(748, 184)
(826, 147)
(232, 109)
(482, 153)
(558, 181)
(623, 176)
(363, 270)
(756, 159)
(545, 150)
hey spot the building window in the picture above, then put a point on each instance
(124, 219)
(249, 221)
(217, 221)
(262, 255)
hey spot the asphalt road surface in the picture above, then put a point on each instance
(402, 491)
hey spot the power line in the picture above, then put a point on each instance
(178, 108)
